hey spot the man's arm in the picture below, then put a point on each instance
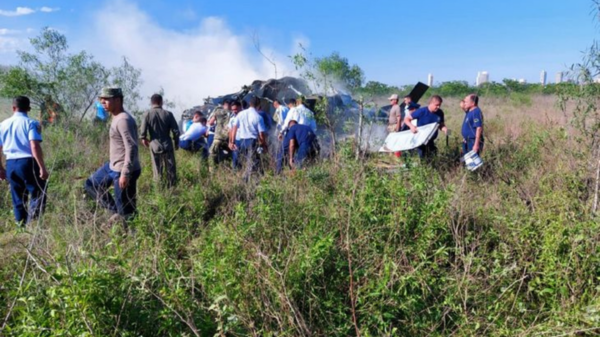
(262, 139)
(2, 170)
(174, 130)
(478, 133)
(407, 121)
(144, 130)
(232, 135)
(38, 155)
(130, 143)
(291, 151)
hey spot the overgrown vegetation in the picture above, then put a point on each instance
(344, 248)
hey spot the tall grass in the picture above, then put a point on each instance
(343, 248)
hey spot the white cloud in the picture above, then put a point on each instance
(49, 9)
(6, 31)
(18, 12)
(210, 60)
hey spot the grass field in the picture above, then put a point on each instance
(343, 248)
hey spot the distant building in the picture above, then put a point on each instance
(430, 80)
(543, 77)
(559, 77)
(522, 81)
(482, 77)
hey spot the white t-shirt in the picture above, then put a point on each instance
(249, 124)
(194, 132)
(303, 116)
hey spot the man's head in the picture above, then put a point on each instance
(292, 123)
(255, 102)
(112, 99)
(235, 107)
(291, 102)
(276, 104)
(156, 100)
(471, 101)
(21, 104)
(203, 120)
(435, 102)
(462, 105)
(393, 99)
(407, 99)
(226, 104)
(197, 116)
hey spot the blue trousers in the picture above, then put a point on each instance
(468, 144)
(246, 156)
(195, 146)
(23, 175)
(306, 151)
(124, 201)
(282, 158)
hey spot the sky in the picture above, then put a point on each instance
(196, 48)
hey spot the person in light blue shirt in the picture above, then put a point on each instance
(25, 171)
(249, 132)
(280, 114)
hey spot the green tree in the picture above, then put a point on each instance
(335, 68)
(51, 73)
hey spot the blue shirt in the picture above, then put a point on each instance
(424, 117)
(100, 112)
(303, 134)
(15, 134)
(473, 120)
(266, 119)
(249, 124)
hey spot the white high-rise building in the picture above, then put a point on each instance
(482, 77)
(543, 77)
(430, 80)
(559, 77)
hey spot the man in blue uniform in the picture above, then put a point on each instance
(427, 115)
(472, 128)
(302, 144)
(25, 169)
(248, 130)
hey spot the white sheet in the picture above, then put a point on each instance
(406, 140)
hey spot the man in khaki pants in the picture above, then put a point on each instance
(395, 114)
(157, 124)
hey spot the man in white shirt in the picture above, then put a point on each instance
(301, 114)
(250, 139)
(194, 138)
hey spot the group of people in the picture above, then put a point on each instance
(413, 116)
(241, 135)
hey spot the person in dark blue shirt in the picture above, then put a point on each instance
(472, 128)
(427, 115)
(302, 144)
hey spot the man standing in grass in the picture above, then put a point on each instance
(472, 129)
(248, 131)
(427, 115)
(158, 124)
(220, 120)
(25, 171)
(123, 169)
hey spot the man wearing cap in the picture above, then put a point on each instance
(157, 126)
(395, 114)
(123, 169)
(472, 128)
(302, 144)
(25, 169)
(427, 115)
